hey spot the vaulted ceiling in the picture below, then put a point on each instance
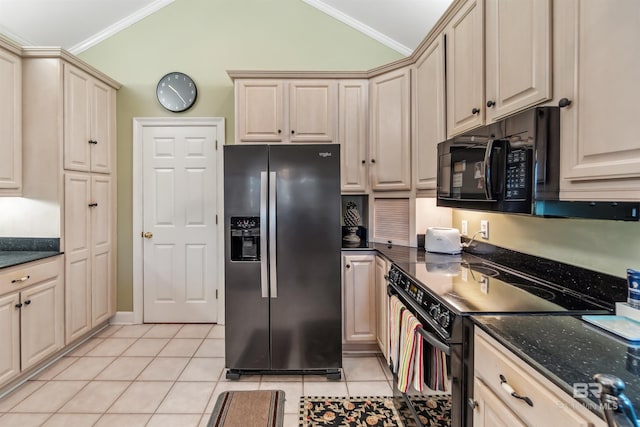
(77, 25)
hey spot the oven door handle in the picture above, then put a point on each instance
(434, 341)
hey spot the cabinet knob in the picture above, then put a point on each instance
(348, 266)
(490, 104)
(93, 205)
(20, 280)
(373, 160)
(364, 161)
(292, 132)
(18, 305)
(564, 102)
(279, 131)
(27, 302)
(475, 111)
(472, 403)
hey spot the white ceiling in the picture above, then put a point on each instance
(77, 25)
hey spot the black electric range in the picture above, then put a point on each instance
(443, 291)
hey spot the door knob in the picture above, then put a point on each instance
(147, 234)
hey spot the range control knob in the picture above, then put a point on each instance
(434, 311)
(444, 319)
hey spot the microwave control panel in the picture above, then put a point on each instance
(518, 174)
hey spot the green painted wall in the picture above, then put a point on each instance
(204, 38)
(606, 246)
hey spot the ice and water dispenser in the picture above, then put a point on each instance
(245, 238)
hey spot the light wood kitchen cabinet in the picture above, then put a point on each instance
(90, 225)
(513, 41)
(596, 64)
(390, 134)
(89, 122)
(58, 85)
(275, 110)
(465, 68)
(429, 123)
(353, 96)
(495, 406)
(518, 55)
(31, 315)
(359, 299)
(10, 120)
(382, 306)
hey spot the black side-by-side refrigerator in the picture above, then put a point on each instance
(282, 259)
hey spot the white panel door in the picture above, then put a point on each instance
(179, 205)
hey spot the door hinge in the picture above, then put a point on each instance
(216, 294)
(216, 219)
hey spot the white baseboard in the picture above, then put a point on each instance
(123, 318)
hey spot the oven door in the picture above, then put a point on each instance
(441, 360)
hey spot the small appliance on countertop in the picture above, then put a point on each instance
(443, 240)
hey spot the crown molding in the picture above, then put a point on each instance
(119, 26)
(365, 29)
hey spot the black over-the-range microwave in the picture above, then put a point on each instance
(513, 166)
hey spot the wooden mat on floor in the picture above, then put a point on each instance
(256, 408)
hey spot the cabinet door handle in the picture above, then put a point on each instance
(472, 403)
(93, 141)
(27, 302)
(93, 205)
(564, 102)
(20, 280)
(505, 385)
(475, 111)
(490, 104)
(18, 305)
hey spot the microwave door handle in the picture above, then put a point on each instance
(488, 154)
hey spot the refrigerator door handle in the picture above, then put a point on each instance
(264, 270)
(273, 279)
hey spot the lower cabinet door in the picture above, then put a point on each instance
(490, 411)
(42, 321)
(359, 299)
(9, 337)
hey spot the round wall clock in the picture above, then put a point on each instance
(176, 92)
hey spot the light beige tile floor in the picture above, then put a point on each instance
(162, 375)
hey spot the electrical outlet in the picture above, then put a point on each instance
(465, 227)
(484, 228)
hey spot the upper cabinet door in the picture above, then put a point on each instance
(313, 110)
(596, 63)
(429, 113)
(10, 123)
(77, 119)
(259, 111)
(103, 129)
(352, 134)
(518, 55)
(465, 68)
(390, 122)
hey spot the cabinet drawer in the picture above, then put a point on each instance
(24, 275)
(551, 405)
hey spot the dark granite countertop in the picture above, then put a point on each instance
(567, 350)
(20, 250)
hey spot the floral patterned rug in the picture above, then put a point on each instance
(374, 411)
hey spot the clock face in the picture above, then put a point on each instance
(176, 92)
